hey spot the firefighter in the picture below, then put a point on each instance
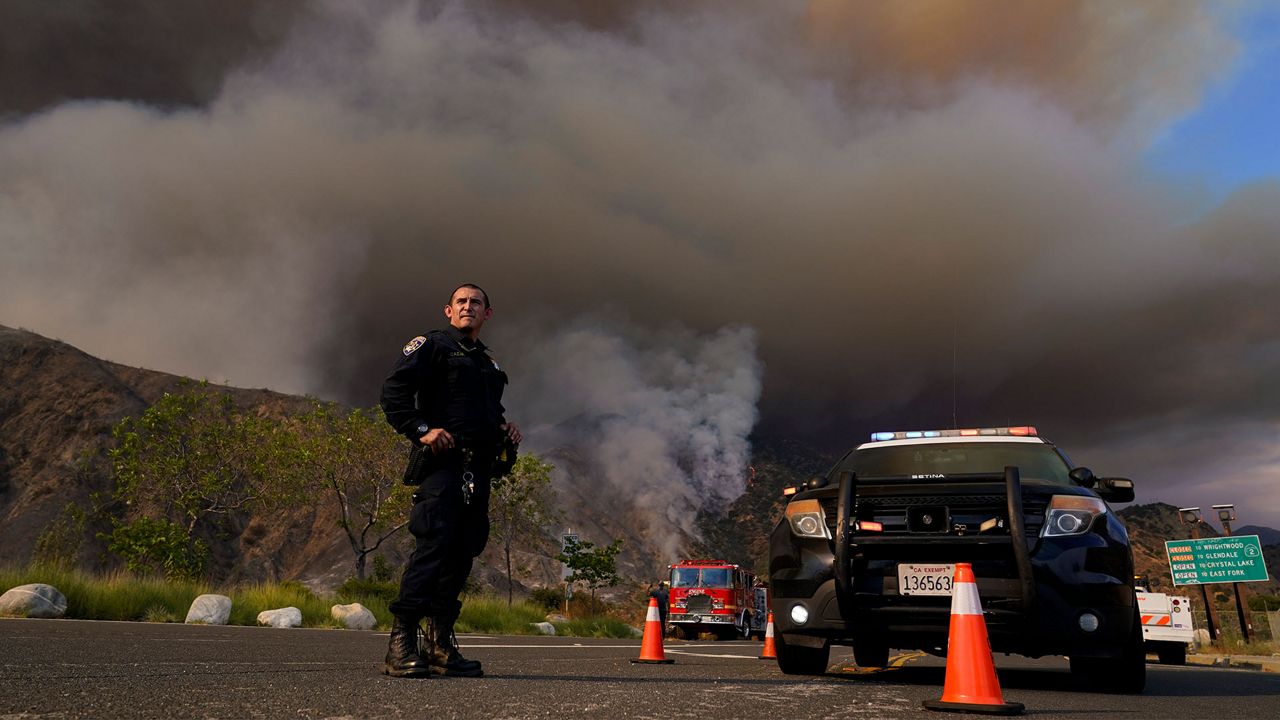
(662, 594)
(445, 395)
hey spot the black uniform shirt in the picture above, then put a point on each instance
(444, 380)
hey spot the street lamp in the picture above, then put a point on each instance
(1191, 516)
(1227, 513)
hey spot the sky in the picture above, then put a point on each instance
(696, 221)
(1228, 140)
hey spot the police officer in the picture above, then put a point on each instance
(445, 395)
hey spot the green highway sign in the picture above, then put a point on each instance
(1216, 560)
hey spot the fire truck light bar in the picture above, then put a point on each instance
(1017, 430)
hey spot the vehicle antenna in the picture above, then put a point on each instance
(954, 424)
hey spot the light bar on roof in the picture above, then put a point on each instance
(1017, 431)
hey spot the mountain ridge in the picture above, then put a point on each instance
(59, 404)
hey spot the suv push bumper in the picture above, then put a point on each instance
(1068, 577)
(1052, 629)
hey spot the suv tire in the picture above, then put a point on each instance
(798, 660)
(872, 652)
(1126, 674)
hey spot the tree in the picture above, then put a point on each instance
(358, 460)
(58, 545)
(595, 566)
(191, 461)
(521, 508)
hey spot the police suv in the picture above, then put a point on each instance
(865, 555)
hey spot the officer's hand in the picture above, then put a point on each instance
(437, 439)
(513, 432)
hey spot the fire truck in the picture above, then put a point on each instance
(718, 597)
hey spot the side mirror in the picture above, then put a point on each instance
(1083, 477)
(816, 482)
(1116, 489)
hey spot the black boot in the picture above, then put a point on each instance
(440, 648)
(403, 659)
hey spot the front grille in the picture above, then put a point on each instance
(698, 604)
(969, 510)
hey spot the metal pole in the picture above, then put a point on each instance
(1210, 615)
(1242, 608)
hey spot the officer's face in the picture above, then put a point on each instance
(467, 311)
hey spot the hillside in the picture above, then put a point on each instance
(1266, 535)
(58, 405)
(57, 408)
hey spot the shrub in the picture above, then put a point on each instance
(550, 597)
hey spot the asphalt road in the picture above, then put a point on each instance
(76, 669)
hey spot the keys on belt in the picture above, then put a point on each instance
(468, 477)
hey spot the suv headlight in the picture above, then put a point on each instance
(1071, 515)
(807, 519)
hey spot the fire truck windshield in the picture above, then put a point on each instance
(701, 577)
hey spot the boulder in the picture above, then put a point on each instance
(354, 616)
(556, 617)
(36, 600)
(545, 628)
(209, 609)
(289, 617)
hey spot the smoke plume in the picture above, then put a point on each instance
(903, 214)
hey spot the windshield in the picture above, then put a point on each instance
(700, 577)
(1034, 460)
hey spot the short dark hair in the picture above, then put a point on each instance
(473, 286)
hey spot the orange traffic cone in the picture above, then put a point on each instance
(651, 644)
(971, 684)
(770, 652)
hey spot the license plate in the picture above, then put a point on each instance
(915, 579)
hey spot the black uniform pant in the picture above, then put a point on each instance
(450, 534)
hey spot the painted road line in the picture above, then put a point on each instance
(578, 646)
(895, 663)
(711, 655)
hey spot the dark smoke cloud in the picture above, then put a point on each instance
(904, 212)
(166, 53)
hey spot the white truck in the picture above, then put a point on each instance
(1166, 625)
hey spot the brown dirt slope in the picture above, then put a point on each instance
(57, 408)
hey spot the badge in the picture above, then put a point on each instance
(414, 344)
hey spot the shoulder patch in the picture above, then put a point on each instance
(414, 344)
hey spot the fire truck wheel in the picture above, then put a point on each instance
(797, 660)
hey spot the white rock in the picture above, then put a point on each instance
(289, 617)
(354, 616)
(545, 628)
(36, 600)
(209, 609)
